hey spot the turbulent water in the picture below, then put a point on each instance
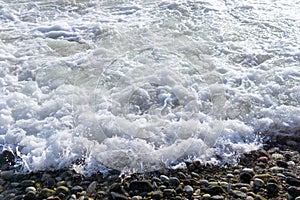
(137, 85)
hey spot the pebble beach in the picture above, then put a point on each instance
(272, 172)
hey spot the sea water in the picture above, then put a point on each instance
(139, 85)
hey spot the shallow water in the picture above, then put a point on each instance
(137, 85)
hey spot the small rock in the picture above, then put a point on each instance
(204, 182)
(72, 197)
(291, 163)
(263, 159)
(249, 198)
(27, 183)
(272, 189)
(277, 169)
(30, 189)
(258, 182)
(281, 163)
(141, 186)
(293, 181)
(76, 189)
(136, 198)
(217, 197)
(214, 190)
(164, 178)
(294, 191)
(155, 179)
(92, 188)
(229, 176)
(62, 189)
(30, 196)
(197, 192)
(245, 177)
(248, 170)
(297, 198)
(174, 181)
(239, 194)
(188, 189)
(206, 196)
(244, 189)
(46, 192)
(117, 196)
(157, 194)
(7, 175)
(169, 192)
(195, 175)
(181, 175)
(259, 197)
(277, 156)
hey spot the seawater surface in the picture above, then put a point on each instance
(138, 85)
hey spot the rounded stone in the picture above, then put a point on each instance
(217, 197)
(30, 196)
(92, 188)
(263, 159)
(206, 196)
(248, 170)
(164, 178)
(294, 191)
(245, 177)
(258, 182)
(169, 192)
(277, 156)
(136, 198)
(141, 186)
(62, 189)
(229, 176)
(157, 194)
(7, 175)
(272, 189)
(174, 181)
(46, 192)
(293, 181)
(239, 194)
(30, 189)
(27, 183)
(188, 189)
(204, 182)
(76, 189)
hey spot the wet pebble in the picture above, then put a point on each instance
(245, 177)
(272, 189)
(188, 189)
(293, 181)
(169, 192)
(174, 181)
(258, 183)
(294, 191)
(142, 186)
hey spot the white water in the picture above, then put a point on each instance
(136, 85)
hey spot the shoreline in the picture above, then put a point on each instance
(272, 172)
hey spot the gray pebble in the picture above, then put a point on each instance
(164, 178)
(30, 189)
(188, 189)
(272, 189)
(217, 197)
(7, 175)
(169, 192)
(92, 188)
(174, 181)
(258, 182)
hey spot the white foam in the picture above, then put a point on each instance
(140, 85)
